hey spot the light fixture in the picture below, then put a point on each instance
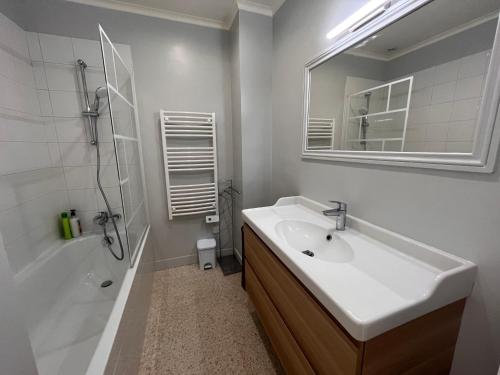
(366, 13)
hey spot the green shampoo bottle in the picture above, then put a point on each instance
(66, 227)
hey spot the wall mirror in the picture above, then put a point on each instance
(418, 85)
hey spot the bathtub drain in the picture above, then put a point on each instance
(308, 253)
(106, 283)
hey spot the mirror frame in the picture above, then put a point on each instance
(487, 133)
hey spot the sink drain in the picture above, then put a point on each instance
(106, 283)
(309, 253)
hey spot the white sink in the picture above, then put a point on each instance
(316, 241)
(370, 279)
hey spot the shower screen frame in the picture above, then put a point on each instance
(487, 134)
(113, 91)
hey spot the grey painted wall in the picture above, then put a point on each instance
(456, 212)
(236, 117)
(252, 115)
(178, 67)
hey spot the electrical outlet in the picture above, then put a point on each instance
(212, 219)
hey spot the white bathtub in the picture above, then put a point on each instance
(66, 308)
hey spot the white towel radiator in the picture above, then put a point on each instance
(189, 127)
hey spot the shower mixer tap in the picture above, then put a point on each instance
(103, 217)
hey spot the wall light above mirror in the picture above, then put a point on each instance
(417, 84)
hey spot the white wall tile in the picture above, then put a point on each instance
(10, 94)
(95, 79)
(424, 78)
(82, 199)
(44, 102)
(87, 221)
(436, 132)
(459, 147)
(88, 50)
(21, 156)
(21, 130)
(12, 224)
(465, 110)
(39, 75)
(114, 198)
(435, 147)
(125, 53)
(461, 130)
(468, 88)
(421, 97)
(50, 131)
(109, 176)
(473, 65)
(66, 104)
(440, 112)
(105, 129)
(55, 154)
(107, 151)
(79, 177)
(23, 72)
(61, 77)
(13, 36)
(56, 49)
(446, 72)
(443, 93)
(75, 154)
(71, 129)
(34, 47)
(6, 64)
(30, 103)
(20, 187)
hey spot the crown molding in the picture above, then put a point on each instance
(254, 7)
(427, 42)
(153, 12)
(123, 6)
(248, 6)
(446, 34)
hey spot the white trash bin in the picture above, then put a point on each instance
(206, 253)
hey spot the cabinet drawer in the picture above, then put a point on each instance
(328, 349)
(290, 354)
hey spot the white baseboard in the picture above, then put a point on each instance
(184, 260)
(226, 252)
(238, 255)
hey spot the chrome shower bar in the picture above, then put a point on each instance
(88, 112)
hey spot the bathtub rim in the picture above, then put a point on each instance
(102, 352)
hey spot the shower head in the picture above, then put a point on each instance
(101, 92)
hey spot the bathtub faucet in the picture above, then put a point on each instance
(103, 217)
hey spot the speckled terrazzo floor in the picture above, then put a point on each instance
(201, 322)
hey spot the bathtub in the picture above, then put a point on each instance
(67, 310)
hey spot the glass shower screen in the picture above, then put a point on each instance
(124, 120)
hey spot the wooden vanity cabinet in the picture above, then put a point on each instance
(308, 339)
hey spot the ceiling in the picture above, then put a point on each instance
(211, 13)
(435, 21)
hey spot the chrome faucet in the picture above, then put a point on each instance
(103, 217)
(340, 211)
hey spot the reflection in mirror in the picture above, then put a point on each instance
(415, 86)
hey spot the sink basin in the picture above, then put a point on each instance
(315, 241)
(370, 279)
